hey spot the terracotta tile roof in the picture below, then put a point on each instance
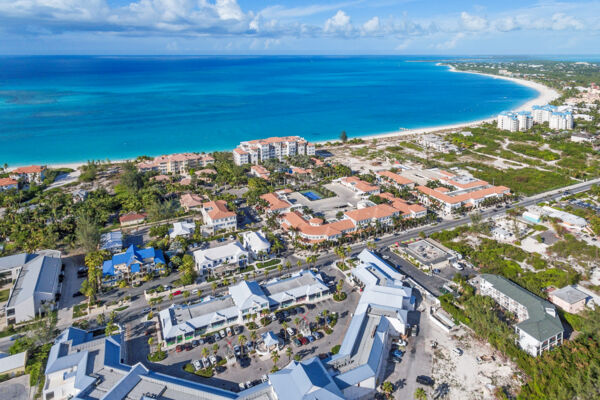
(218, 210)
(401, 205)
(317, 162)
(132, 216)
(474, 195)
(399, 179)
(7, 182)
(374, 212)
(296, 220)
(449, 174)
(360, 184)
(32, 169)
(185, 181)
(240, 151)
(468, 185)
(190, 200)
(160, 178)
(275, 139)
(208, 171)
(275, 203)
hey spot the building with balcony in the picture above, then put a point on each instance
(132, 265)
(178, 164)
(217, 216)
(257, 151)
(29, 174)
(539, 328)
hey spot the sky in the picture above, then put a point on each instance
(237, 27)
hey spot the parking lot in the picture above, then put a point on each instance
(344, 200)
(254, 366)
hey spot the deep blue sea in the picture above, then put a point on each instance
(68, 109)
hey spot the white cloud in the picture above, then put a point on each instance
(339, 23)
(473, 22)
(371, 25)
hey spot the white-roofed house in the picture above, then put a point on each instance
(13, 365)
(231, 254)
(182, 228)
(257, 245)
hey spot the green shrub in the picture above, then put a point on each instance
(335, 349)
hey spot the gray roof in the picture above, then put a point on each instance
(306, 380)
(8, 363)
(39, 274)
(248, 294)
(570, 295)
(541, 325)
(14, 261)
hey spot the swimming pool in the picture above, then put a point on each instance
(311, 195)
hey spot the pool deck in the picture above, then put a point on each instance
(344, 200)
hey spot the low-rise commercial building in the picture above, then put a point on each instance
(112, 241)
(539, 328)
(184, 323)
(428, 252)
(256, 244)
(35, 286)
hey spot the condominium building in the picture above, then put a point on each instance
(539, 328)
(179, 163)
(257, 151)
(515, 121)
(35, 286)
(561, 121)
(542, 114)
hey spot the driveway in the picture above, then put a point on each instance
(15, 388)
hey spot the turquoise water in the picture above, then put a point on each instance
(68, 109)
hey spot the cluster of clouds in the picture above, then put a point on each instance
(221, 18)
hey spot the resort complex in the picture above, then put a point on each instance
(257, 151)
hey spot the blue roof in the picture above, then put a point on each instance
(132, 258)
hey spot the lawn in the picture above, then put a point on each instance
(4, 295)
(80, 310)
(269, 263)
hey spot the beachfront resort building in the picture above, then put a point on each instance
(29, 174)
(217, 216)
(558, 118)
(515, 121)
(539, 328)
(437, 143)
(35, 284)
(179, 163)
(183, 323)
(257, 151)
(132, 265)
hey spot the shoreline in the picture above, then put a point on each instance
(545, 95)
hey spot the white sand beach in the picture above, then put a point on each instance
(545, 95)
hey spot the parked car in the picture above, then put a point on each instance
(436, 271)
(238, 329)
(77, 294)
(195, 292)
(304, 341)
(228, 331)
(318, 335)
(205, 362)
(197, 364)
(457, 351)
(397, 353)
(188, 346)
(237, 350)
(242, 386)
(401, 343)
(291, 331)
(217, 337)
(425, 380)
(222, 333)
(213, 359)
(179, 348)
(310, 338)
(293, 311)
(195, 343)
(297, 342)
(249, 347)
(177, 292)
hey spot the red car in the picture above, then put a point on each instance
(179, 348)
(177, 293)
(304, 341)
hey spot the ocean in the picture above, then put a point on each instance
(69, 109)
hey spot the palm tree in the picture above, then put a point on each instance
(288, 265)
(284, 325)
(205, 352)
(214, 286)
(289, 353)
(242, 341)
(387, 388)
(253, 335)
(215, 348)
(275, 357)
(297, 321)
(420, 394)
(299, 263)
